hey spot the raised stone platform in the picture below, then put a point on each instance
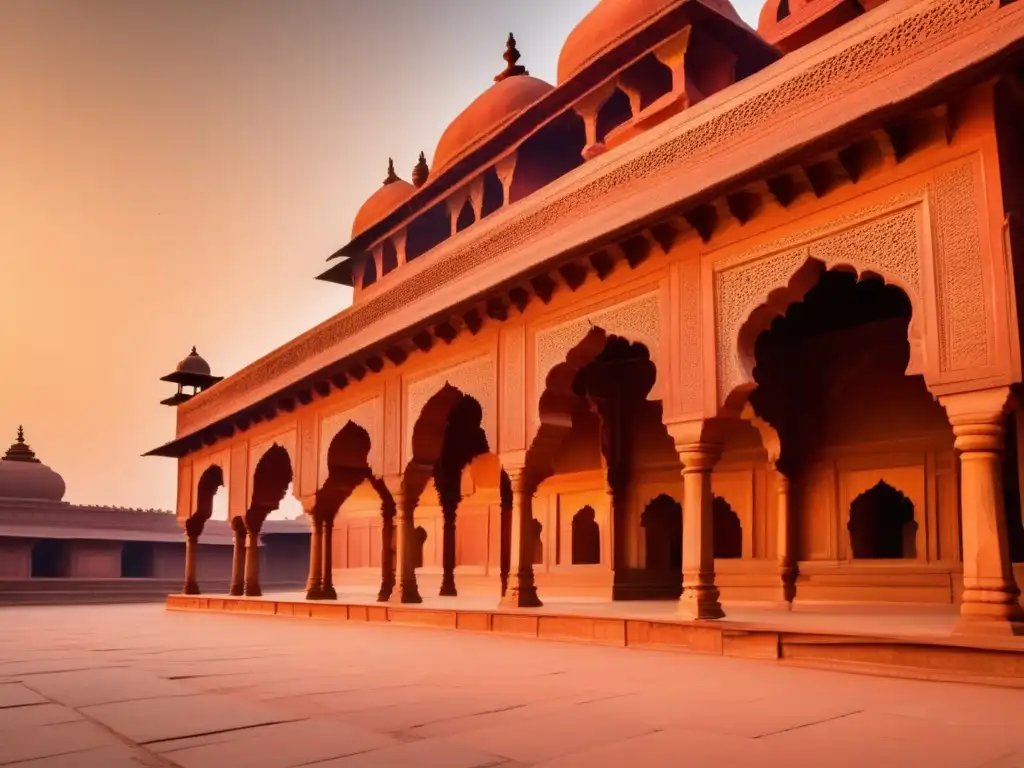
(896, 641)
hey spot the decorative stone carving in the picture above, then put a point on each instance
(184, 490)
(237, 485)
(475, 378)
(688, 357)
(964, 336)
(392, 427)
(888, 245)
(638, 320)
(307, 455)
(513, 381)
(859, 65)
(364, 415)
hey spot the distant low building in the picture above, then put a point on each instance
(53, 551)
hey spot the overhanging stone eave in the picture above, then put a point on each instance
(1001, 39)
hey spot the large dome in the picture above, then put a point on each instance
(23, 476)
(382, 202)
(612, 21)
(492, 109)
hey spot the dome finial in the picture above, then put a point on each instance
(511, 56)
(421, 172)
(194, 350)
(19, 451)
(21, 434)
(392, 177)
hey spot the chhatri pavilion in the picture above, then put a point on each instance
(722, 315)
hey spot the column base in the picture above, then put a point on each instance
(406, 593)
(700, 603)
(520, 597)
(190, 588)
(448, 587)
(329, 593)
(253, 590)
(236, 590)
(386, 590)
(314, 593)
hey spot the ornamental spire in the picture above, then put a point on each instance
(19, 451)
(392, 177)
(511, 56)
(421, 172)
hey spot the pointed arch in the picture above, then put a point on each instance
(740, 327)
(271, 478)
(882, 524)
(727, 530)
(210, 482)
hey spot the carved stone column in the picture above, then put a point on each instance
(521, 591)
(406, 590)
(253, 524)
(237, 588)
(314, 584)
(991, 598)
(193, 529)
(448, 554)
(784, 539)
(387, 553)
(327, 590)
(700, 595)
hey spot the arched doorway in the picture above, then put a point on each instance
(831, 378)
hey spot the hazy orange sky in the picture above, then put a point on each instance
(176, 172)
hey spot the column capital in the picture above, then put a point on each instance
(521, 480)
(194, 526)
(977, 418)
(698, 457)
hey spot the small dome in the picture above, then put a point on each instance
(382, 202)
(23, 476)
(513, 91)
(791, 24)
(492, 109)
(614, 20)
(194, 364)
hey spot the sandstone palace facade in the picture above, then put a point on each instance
(721, 315)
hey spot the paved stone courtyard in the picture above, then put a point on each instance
(132, 685)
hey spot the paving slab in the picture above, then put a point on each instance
(252, 692)
(53, 740)
(177, 717)
(281, 746)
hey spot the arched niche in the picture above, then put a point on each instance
(586, 537)
(882, 525)
(662, 521)
(727, 530)
(419, 543)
